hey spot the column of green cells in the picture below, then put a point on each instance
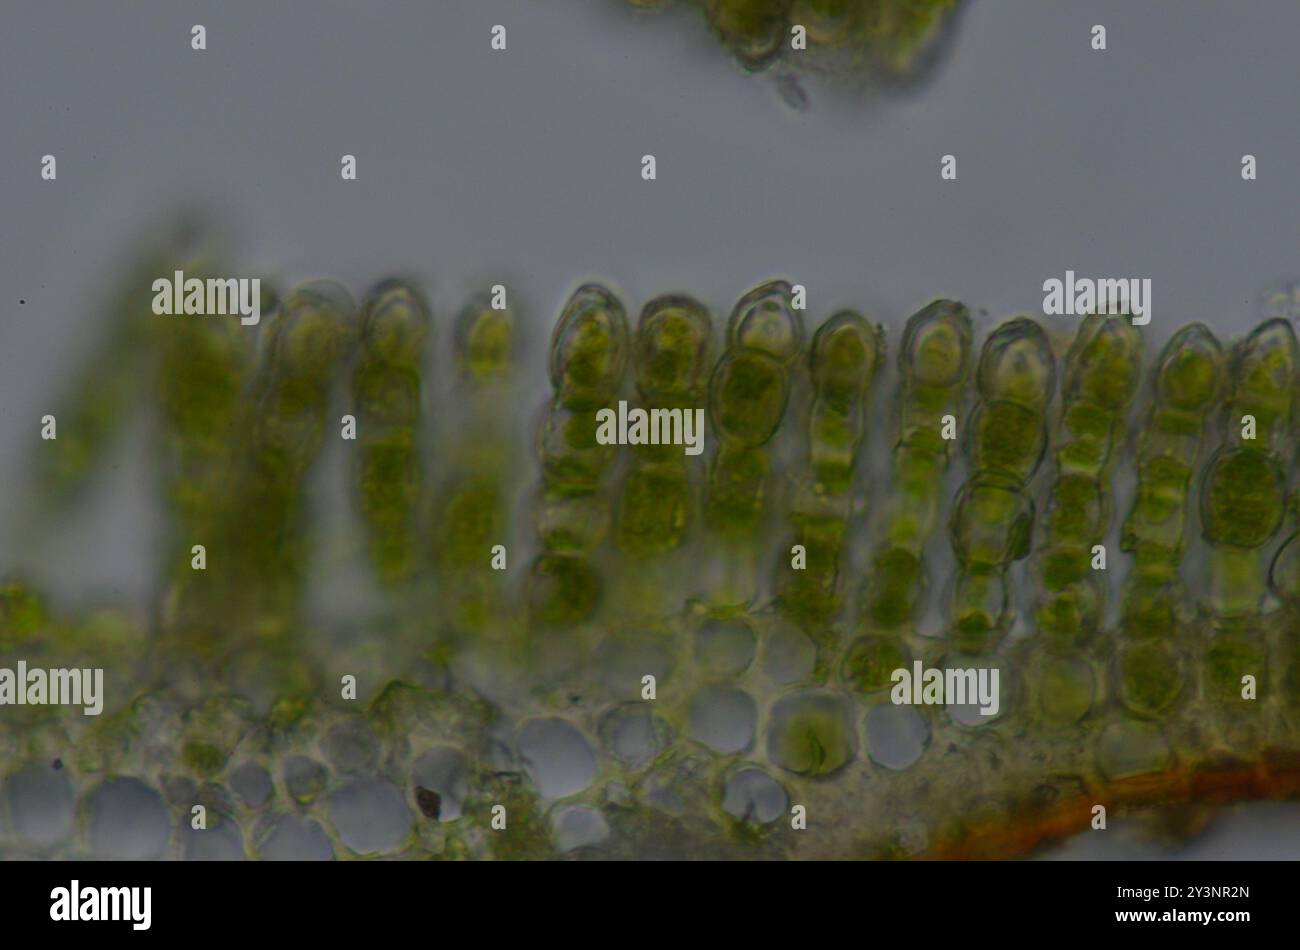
(748, 394)
(588, 358)
(1243, 495)
(658, 502)
(1101, 374)
(259, 564)
(1284, 582)
(475, 516)
(845, 355)
(203, 370)
(387, 404)
(1243, 501)
(934, 364)
(993, 519)
(1188, 381)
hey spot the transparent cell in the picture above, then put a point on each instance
(1131, 747)
(557, 756)
(444, 771)
(304, 778)
(42, 804)
(750, 794)
(725, 647)
(1284, 573)
(634, 735)
(221, 840)
(789, 655)
(723, 718)
(127, 821)
(578, 826)
(294, 838)
(351, 746)
(370, 816)
(896, 735)
(978, 708)
(252, 783)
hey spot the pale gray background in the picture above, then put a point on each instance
(523, 166)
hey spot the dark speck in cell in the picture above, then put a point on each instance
(430, 802)
(58, 764)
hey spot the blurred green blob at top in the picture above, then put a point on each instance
(831, 22)
(589, 348)
(313, 329)
(753, 30)
(765, 319)
(23, 614)
(485, 341)
(846, 352)
(1103, 365)
(747, 396)
(673, 340)
(201, 379)
(1016, 364)
(395, 324)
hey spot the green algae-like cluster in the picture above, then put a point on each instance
(888, 37)
(593, 650)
